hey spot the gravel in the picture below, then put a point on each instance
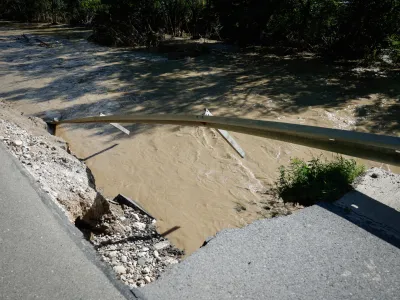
(125, 238)
(58, 173)
(161, 245)
(134, 247)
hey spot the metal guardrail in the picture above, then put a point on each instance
(381, 148)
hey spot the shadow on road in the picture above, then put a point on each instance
(369, 214)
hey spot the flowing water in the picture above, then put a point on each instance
(188, 178)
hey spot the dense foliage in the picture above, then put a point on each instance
(310, 182)
(335, 27)
(72, 11)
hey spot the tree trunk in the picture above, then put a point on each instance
(53, 11)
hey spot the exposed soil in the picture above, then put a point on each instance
(125, 237)
(59, 174)
(189, 178)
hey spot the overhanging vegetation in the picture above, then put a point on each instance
(354, 28)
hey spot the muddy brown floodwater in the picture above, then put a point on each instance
(188, 178)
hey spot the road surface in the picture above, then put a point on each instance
(42, 256)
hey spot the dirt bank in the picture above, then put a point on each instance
(189, 178)
(125, 237)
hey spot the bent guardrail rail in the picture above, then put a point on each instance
(380, 148)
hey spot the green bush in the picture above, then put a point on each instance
(317, 180)
(394, 44)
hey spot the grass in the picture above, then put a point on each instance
(317, 180)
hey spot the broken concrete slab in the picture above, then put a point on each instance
(321, 252)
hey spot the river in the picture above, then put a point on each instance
(190, 179)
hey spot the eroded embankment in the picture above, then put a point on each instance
(124, 237)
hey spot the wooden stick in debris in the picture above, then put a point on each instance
(225, 134)
(121, 199)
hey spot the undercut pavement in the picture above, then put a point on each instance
(345, 250)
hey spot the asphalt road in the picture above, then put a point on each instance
(42, 256)
(346, 250)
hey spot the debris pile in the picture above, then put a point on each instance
(137, 253)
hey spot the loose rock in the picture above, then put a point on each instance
(113, 254)
(141, 254)
(140, 225)
(141, 261)
(162, 245)
(170, 260)
(17, 143)
(119, 269)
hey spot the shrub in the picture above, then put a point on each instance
(317, 180)
(394, 44)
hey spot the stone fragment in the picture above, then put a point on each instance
(161, 245)
(141, 261)
(113, 254)
(147, 279)
(120, 269)
(17, 143)
(139, 225)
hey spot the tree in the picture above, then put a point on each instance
(352, 28)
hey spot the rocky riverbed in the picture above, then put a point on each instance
(125, 238)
